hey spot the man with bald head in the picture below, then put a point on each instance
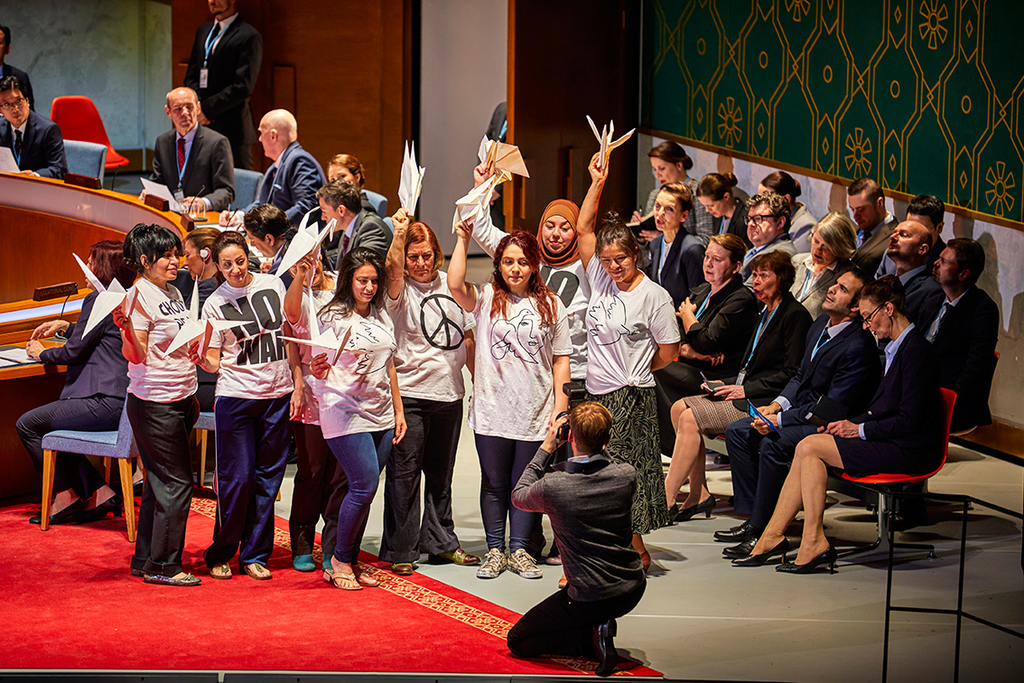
(292, 180)
(908, 248)
(194, 162)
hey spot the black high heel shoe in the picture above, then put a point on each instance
(828, 557)
(781, 548)
(111, 505)
(677, 514)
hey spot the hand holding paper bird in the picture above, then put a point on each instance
(604, 138)
(411, 181)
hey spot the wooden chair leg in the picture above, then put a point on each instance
(49, 462)
(106, 470)
(202, 457)
(127, 495)
(142, 468)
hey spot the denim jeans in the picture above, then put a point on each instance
(363, 457)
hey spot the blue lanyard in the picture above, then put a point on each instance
(210, 43)
(757, 335)
(807, 282)
(703, 305)
(188, 153)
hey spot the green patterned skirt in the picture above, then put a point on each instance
(634, 440)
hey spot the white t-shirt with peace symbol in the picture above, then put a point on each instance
(624, 330)
(252, 356)
(430, 328)
(512, 388)
(356, 395)
(161, 378)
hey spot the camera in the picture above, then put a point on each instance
(576, 392)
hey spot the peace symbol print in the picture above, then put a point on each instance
(440, 321)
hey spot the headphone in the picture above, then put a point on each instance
(204, 253)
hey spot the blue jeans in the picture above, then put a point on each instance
(362, 456)
(502, 462)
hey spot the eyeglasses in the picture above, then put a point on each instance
(759, 220)
(867, 318)
(11, 106)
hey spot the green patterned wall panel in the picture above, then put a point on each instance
(922, 95)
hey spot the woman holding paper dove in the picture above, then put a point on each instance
(361, 411)
(521, 362)
(435, 340)
(253, 399)
(161, 402)
(92, 398)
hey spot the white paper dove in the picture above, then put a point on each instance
(197, 328)
(411, 181)
(484, 150)
(306, 240)
(474, 205)
(508, 158)
(326, 340)
(604, 138)
(108, 298)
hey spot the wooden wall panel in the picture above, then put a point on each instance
(350, 63)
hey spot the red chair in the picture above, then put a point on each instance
(889, 486)
(79, 120)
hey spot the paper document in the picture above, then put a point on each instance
(7, 163)
(160, 190)
(15, 355)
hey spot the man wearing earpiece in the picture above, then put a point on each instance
(588, 500)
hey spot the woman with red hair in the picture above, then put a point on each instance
(521, 363)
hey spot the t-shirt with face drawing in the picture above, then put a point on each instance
(624, 330)
(253, 363)
(355, 397)
(161, 378)
(513, 395)
(310, 414)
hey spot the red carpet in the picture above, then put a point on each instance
(71, 604)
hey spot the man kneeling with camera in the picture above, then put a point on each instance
(587, 498)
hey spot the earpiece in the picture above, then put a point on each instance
(204, 253)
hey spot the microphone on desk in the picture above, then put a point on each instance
(65, 289)
(188, 221)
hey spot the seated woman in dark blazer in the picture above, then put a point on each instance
(92, 399)
(717, 320)
(900, 433)
(771, 358)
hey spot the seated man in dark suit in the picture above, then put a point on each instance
(357, 227)
(874, 223)
(908, 248)
(963, 327)
(8, 70)
(292, 180)
(192, 159)
(35, 140)
(840, 362)
(929, 211)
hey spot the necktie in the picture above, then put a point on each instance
(17, 144)
(181, 154)
(822, 340)
(861, 234)
(344, 244)
(933, 329)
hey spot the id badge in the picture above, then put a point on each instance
(179, 196)
(742, 376)
(203, 73)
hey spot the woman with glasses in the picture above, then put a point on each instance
(899, 433)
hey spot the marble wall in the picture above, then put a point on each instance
(117, 52)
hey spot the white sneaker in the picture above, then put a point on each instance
(521, 563)
(494, 564)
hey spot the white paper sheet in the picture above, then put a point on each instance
(7, 163)
(160, 190)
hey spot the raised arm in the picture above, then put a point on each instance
(463, 292)
(586, 226)
(394, 265)
(293, 295)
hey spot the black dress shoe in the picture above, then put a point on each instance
(737, 552)
(736, 534)
(72, 514)
(828, 557)
(781, 548)
(604, 648)
(111, 505)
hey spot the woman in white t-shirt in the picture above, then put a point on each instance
(522, 361)
(251, 408)
(632, 332)
(435, 339)
(161, 403)
(360, 407)
(320, 483)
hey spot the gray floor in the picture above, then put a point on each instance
(704, 619)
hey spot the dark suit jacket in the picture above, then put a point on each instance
(846, 369)
(965, 346)
(96, 366)
(368, 231)
(233, 66)
(779, 350)
(781, 243)
(921, 291)
(209, 168)
(737, 224)
(42, 146)
(870, 254)
(725, 326)
(673, 276)
(294, 186)
(8, 70)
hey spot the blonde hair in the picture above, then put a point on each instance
(839, 233)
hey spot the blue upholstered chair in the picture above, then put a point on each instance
(379, 201)
(86, 158)
(119, 445)
(204, 424)
(247, 186)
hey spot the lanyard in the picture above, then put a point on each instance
(703, 305)
(757, 335)
(807, 282)
(210, 43)
(182, 167)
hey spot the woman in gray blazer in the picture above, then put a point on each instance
(833, 241)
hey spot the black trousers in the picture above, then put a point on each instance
(161, 433)
(319, 487)
(560, 625)
(429, 449)
(72, 471)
